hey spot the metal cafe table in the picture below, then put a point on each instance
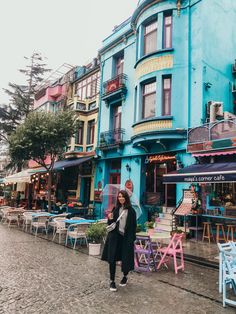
(79, 221)
(158, 238)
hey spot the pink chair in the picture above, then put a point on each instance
(174, 247)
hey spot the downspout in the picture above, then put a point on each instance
(100, 102)
(189, 66)
(99, 113)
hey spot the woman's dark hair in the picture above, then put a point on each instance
(127, 199)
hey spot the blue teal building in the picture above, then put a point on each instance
(160, 72)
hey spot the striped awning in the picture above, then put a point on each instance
(22, 176)
(218, 153)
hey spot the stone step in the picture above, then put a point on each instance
(167, 216)
(168, 209)
(164, 227)
(164, 221)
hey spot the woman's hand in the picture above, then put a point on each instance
(110, 216)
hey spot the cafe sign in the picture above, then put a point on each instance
(206, 178)
(158, 158)
(129, 185)
(201, 178)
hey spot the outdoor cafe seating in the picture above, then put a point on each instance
(151, 252)
(144, 254)
(77, 231)
(11, 215)
(59, 228)
(227, 272)
(174, 248)
(40, 221)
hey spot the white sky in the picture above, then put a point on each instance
(64, 31)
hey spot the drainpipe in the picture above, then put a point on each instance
(99, 110)
(100, 101)
(189, 65)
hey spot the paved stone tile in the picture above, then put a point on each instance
(38, 276)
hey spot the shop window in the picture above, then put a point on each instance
(166, 96)
(167, 31)
(150, 38)
(148, 100)
(86, 168)
(80, 133)
(157, 193)
(90, 132)
(116, 164)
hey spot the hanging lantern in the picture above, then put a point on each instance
(178, 5)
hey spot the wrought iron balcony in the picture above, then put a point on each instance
(212, 136)
(111, 139)
(116, 87)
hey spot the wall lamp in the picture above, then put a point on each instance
(128, 168)
(207, 85)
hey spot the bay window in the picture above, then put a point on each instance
(150, 38)
(90, 131)
(148, 100)
(80, 133)
(167, 30)
(166, 96)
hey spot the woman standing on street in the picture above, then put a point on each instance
(119, 245)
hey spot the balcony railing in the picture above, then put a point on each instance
(118, 83)
(202, 137)
(112, 138)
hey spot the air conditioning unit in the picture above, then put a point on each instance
(215, 110)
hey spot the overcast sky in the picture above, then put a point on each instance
(64, 31)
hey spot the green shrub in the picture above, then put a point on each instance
(96, 232)
(149, 224)
(139, 228)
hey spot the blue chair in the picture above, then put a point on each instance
(227, 270)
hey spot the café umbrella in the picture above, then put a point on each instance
(109, 197)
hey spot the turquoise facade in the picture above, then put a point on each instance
(198, 62)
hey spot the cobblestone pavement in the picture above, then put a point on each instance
(38, 276)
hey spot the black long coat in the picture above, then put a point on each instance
(111, 252)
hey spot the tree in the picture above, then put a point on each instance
(42, 135)
(21, 96)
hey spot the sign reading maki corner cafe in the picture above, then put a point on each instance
(205, 178)
(203, 173)
(208, 178)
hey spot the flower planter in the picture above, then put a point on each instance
(94, 248)
(150, 231)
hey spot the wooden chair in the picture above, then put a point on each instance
(174, 247)
(144, 254)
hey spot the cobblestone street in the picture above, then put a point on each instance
(38, 276)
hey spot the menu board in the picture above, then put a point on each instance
(186, 204)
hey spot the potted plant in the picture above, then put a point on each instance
(95, 233)
(178, 231)
(139, 228)
(149, 225)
